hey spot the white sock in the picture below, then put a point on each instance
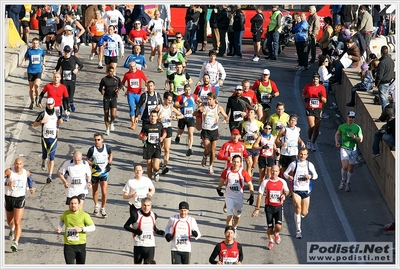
(344, 175)
(348, 177)
(297, 220)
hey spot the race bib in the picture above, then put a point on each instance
(188, 111)
(274, 196)
(314, 102)
(234, 187)
(265, 99)
(113, 20)
(231, 154)
(112, 45)
(209, 121)
(182, 241)
(67, 74)
(27, 15)
(146, 237)
(153, 138)
(76, 181)
(250, 138)
(138, 40)
(151, 108)
(237, 116)
(35, 59)
(292, 143)
(99, 27)
(229, 260)
(179, 90)
(134, 83)
(204, 99)
(172, 68)
(138, 66)
(302, 180)
(72, 235)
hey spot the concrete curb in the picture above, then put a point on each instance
(12, 59)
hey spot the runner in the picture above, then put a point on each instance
(142, 225)
(186, 102)
(16, 181)
(228, 251)
(133, 78)
(112, 43)
(137, 36)
(179, 231)
(155, 28)
(136, 57)
(278, 120)
(149, 100)
(209, 133)
(275, 190)
(170, 59)
(165, 116)
(177, 80)
(109, 87)
(215, 70)
(113, 17)
(49, 121)
(314, 95)
(77, 224)
(136, 189)
(252, 97)
(37, 64)
(234, 178)
(182, 45)
(239, 106)
(100, 157)
(76, 176)
(96, 29)
(300, 173)
(351, 134)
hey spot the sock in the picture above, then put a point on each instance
(12, 229)
(47, 45)
(49, 176)
(179, 135)
(348, 177)
(344, 175)
(297, 220)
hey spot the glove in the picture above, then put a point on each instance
(320, 94)
(160, 232)
(251, 199)
(96, 166)
(195, 233)
(108, 167)
(138, 232)
(168, 237)
(220, 193)
(306, 100)
(165, 65)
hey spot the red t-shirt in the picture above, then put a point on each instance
(137, 37)
(249, 94)
(134, 80)
(229, 149)
(273, 190)
(311, 91)
(57, 93)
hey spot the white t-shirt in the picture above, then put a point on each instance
(141, 186)
(76, 177)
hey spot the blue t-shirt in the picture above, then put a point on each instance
(35, 58)
(138, 59)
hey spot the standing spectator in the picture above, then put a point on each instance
(351, 134)
(192, 20)
(386, 133)
(275, 190)
(301, 40)
(202, 28)
(366, 84)
(274, 29)
(359, 40)
(366, 27)
(313, 30)
(179, 231)
(77, 224)
(230, 43)
(100, 157)
(13, 13)
(16, 181)
(239, 20)
(25, 22)
(335, 10)
(326, 35)
(128, 25)
(377, 19)
(228, 251)
(223, 24)
(256, 30)
(348, 15)
(384, 75)
(142, 225)
(214, 27)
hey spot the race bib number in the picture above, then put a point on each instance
(204, 99)
(67, 74)
(279, 126)
(179, 89)
(139, 66)
(151, 108)
(114, 20)
(138, 40)
(188, 111)
(231, 154)
(302, 180)
(153, 138)
(76, 181)
(314, 102)
(72, 235)
(19, 184)
(112, 45)
(274, 196)
(35, 59)
(99, 27)
(229, 261)
(172, 68)
(237, 116)
(49, 132)
(182, 241)
(265, 99)
(250, 138)
(166, 122)
(234, 187)
(146, 237)
(134, 83)
(292, 143)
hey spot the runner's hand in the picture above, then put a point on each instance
(195, 233)
(168, 237)
(220, 193)
(251, 199)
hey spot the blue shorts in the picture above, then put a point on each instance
(303, 194)
(253, 152)
(49, 147)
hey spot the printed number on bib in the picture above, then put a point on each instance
(274, 196)
(234, 187)
(237, 116)
(188, 111)
(181, 241)
(35, 59)
(134, 82)
(114, 21)
(230, 260)
(179, 89)
(112, 45)
(314, 102)
(153, 138)
(72, 235)
(138, 40)
(67, 74)
(265, 99)
(76, 181)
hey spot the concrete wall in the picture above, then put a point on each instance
(382, 168)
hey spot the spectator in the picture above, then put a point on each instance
(202, 28)
(324, 75)
(256, 30)
(214, 28)
(192, 19)
(373, 64)
(365, 27)
(239, 20)
(366, 83)
(386, 133)
(223, 24)
(349, 59)
(13, 13)
(274, 29)
(336, 37)
(359, 39)
(128, 25)
(377, 19)
(327, 33)
(301, 30)
(313, 30)
(230, 34)
(384, 75)
(335, 10)
(348, 15)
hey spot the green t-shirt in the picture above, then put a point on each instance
(71, 219)
(345, 129)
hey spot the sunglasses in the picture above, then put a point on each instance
(178, 37)
(351, 117)
(97, 139)
(267, 128)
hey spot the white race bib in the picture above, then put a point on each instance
(314, 102)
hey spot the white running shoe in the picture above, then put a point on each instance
(112, 128)
(298, 235)
(341, 185)
(256, 59)
(107, 131)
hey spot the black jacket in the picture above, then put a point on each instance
(223, 19)
(385, 70)
(238, 21)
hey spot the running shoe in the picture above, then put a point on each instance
(100, 66)
(91, 56)
(48, 180)
(151, 59)
(112, 128)
(313, 147)
(270, 245)
(203, 161)
(341, 185)
(66, 118)
(225, 209)
(96, 210)
(107, 131)
(31, 105)
(347, 187)
(277, 239)
(164, 170)
(73, 108)
(256, 59)
(298, 235)
(160, 69)
(189, 152)
(103, 213)
(211, 171)
(308, 145)
(202, 144)
(156, 176)
(44, 166)
(14, 247)
(11, 235)
(177, 139)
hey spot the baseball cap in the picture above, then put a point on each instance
(266, 72)
(239, 87)
(235, 131)
(183, 205)
(50, 101)
(137, 22)
(227, 228)
(315, 74)
(67, 48)
(351, 114)
(364, 67)
(68, 28)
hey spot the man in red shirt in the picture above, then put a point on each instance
(314, 95)
(232, 148)
(275, 190)
(265, 90)
(228, 251)
(59, 93)
(134, 78)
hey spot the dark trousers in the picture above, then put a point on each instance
(273, 44)
(75, 252)
(301, 49)
(313, 49)
(222, 41)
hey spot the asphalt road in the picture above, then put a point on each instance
(334, 216)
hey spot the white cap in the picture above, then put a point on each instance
(68, 28)
(239, 87)
(266, 72)
(50, 101)
(351, 114)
